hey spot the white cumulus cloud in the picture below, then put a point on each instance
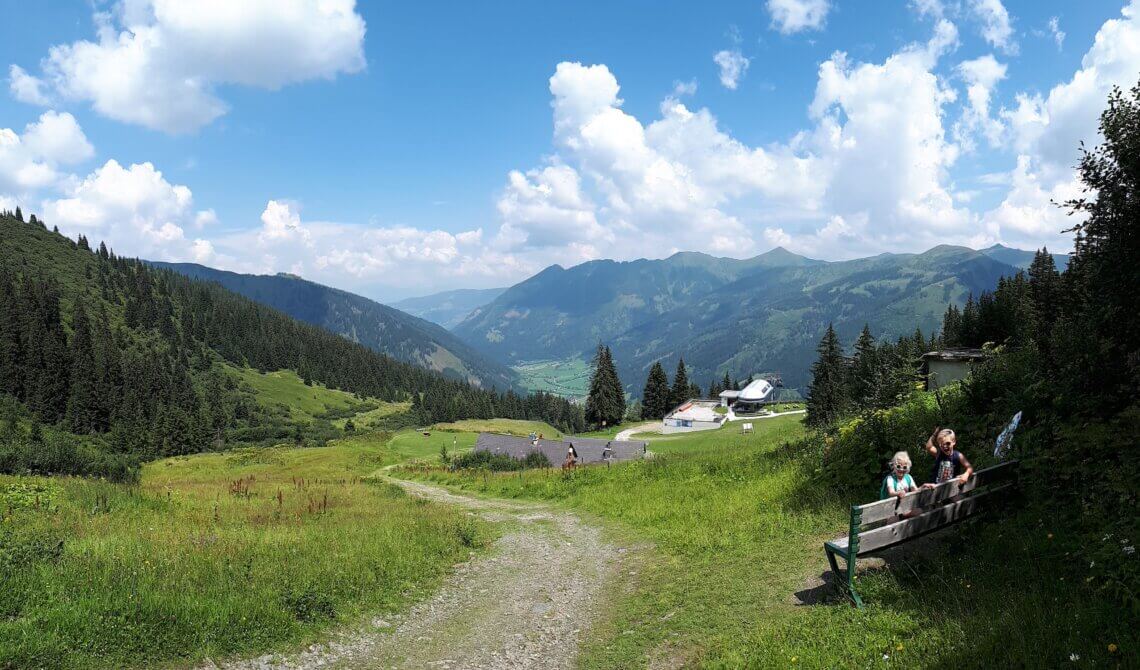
(29, 161)
(158, 63)
(26, 88)
(134, 208)
(981, 76)
(996, 25)
(732, 66)
(793, 16)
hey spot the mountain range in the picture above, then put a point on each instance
(726, 315)
(376, 326)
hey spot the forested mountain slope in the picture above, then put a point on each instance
(724, 315)
(560, 312)
(376, 326)
(120, 359)
(772, 320)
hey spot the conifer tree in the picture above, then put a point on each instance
(655, 397)
(83, 415)
(866, 371)
(1045, 285)
(828, 390)
(605, 404)
(681, 389)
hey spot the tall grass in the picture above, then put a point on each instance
(738, 521)
(212, 555)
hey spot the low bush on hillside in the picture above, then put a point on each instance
(499, 462)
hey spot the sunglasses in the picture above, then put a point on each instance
(903, 467)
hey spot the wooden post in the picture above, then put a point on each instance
(853, 552)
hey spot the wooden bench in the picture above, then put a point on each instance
(879, 525)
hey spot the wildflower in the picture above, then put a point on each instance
(796, 658)
(900, 647)
(1074, 657)
(1130, 550)
(1050, 536)
(1091, 564)
(886, 657)
(1112, 648)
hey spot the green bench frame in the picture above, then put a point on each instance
(939, 507)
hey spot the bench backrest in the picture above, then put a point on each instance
(881, 510)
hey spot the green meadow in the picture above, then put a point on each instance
(731, 575)
(213, 555)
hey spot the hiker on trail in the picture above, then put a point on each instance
(898, 481)
(571, 455)
(949, 463)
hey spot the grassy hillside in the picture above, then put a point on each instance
(285, 390)
(737, 524)
(569, 378)
(376, 326)
(213, 555)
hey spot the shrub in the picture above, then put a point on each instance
(499, 462)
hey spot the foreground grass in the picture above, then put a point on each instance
(738, 532)
(213, 555)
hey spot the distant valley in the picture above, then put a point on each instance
(448, 308)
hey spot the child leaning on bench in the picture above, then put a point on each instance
(949, 463)
(898, 481)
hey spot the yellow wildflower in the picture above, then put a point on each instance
(1112, 648)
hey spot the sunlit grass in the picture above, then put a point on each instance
(214, 555)
(737, 527)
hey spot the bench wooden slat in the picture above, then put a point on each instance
(881, 510)
(900, 531)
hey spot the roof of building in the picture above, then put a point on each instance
(729, 393)
(758, 390)
(589, 448)
(956, 354)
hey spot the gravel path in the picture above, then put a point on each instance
(527, 603)
(627, 434)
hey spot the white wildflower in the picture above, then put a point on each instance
(1074, 657)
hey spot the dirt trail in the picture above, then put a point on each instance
(527, 603)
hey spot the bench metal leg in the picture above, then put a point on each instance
(831, 559)
(853, 553)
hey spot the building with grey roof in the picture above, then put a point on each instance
(589, 449)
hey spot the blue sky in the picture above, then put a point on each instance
(397, 149)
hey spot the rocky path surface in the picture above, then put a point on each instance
(627, 434)
(527, 603)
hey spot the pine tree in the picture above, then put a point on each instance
(1045, 285)
(681, 390)
(866, 372)
(83, 414)
(952, 327)
(605, 404)
(655, 397)
(828, 391)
